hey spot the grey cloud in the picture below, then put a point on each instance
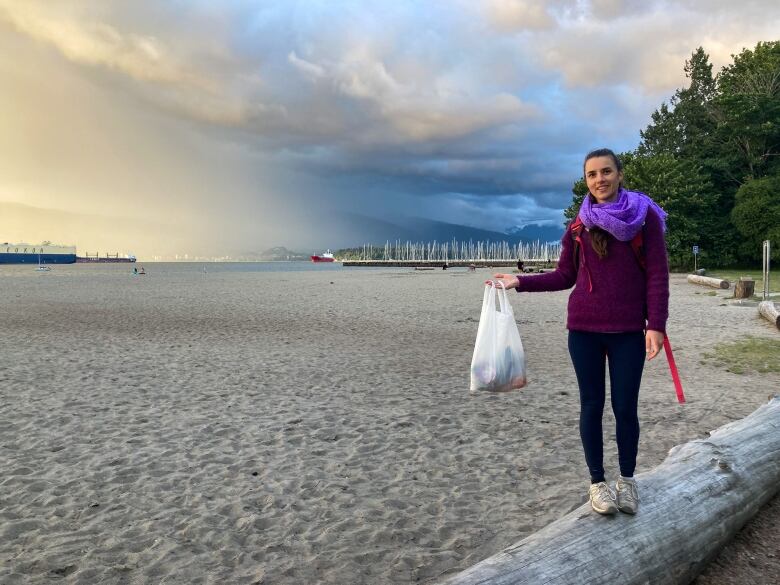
(390, 108)
(497, 214)
(96, 43)
(519, 15)
(311, 70)
(399, 111)
(601, 54)
(372, 81)
(614, 9)
(647, 47)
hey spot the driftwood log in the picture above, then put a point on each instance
(769, 311)
(744, 288)
(691, 506)
(708, 281)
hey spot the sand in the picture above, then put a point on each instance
(303, 427)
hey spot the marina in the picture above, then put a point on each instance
(533, 255)
(529, 265)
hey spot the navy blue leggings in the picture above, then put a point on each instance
(625, 353)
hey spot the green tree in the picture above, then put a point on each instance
(683, 189)
(686, 125)
(747, 110)
(579, 191)
(756, 215)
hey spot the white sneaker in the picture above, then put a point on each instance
(602, 500)
(627, 495)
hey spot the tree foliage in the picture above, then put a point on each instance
(683, 190)
(684, 127)
(579, 190)
(756, 213)
(747, 108)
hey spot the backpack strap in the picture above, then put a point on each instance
(637, 245)
(576, 228)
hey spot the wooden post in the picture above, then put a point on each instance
(691, 506)
(707, 281)
(744, 288)
(768, 310)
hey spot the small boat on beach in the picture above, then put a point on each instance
(326, 257)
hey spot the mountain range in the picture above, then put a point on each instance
(352, 230)
(362, 229)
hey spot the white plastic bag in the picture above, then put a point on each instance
(498, 363)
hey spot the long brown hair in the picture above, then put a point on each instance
(598, 237)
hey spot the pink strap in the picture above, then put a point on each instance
(673, 368)
(581, 252)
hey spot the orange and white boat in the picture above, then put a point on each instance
(326, 257)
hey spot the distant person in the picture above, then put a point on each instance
(520, 265)
(135, 271)
(617, 313)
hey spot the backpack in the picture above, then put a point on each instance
(637, 246)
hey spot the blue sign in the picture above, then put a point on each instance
(695, 250)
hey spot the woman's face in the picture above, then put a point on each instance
(603, 178)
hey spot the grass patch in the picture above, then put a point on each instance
(733, 275)
(752, 354)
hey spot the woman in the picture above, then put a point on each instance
(617, 314)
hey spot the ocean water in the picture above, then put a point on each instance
(187, 267)
(179, 268)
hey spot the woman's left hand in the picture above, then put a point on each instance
(653, 342)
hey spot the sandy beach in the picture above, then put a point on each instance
(304, 427)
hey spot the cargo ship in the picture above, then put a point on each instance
(107, 258)
(326, 257)
(45, 253)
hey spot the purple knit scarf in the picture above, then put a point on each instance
(622, 218)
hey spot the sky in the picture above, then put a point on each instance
(161, 127)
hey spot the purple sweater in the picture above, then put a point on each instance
(623, 294)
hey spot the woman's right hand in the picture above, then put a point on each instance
(508, 280)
